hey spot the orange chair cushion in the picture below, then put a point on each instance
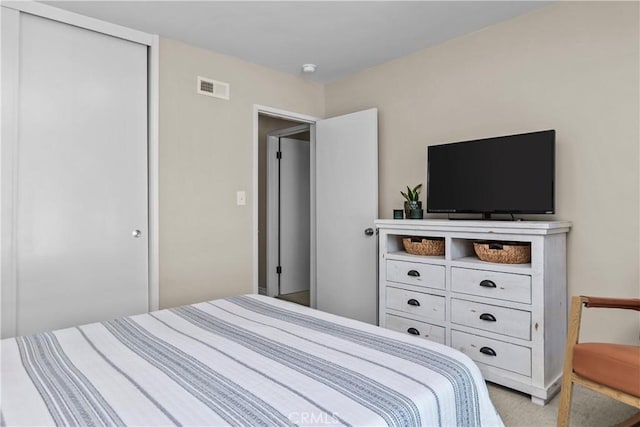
(613, 365)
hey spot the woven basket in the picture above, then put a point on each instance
(503, 252)
(428, 246)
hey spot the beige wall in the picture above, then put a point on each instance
(570, 66)
(206, 155)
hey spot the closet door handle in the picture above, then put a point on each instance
(413, 273)
(414, 302)
(487, 284)
(488, 351)
(369, 232)
(413, 331)
(488, 317)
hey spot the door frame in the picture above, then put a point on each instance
(273, 205)
(10, 10)
(303, 119)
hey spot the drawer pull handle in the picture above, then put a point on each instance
(414, 302)
(413, 273)
(413, 331)
(488, 317)
(488, 351)
(487, 284)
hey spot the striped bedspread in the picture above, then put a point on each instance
(245, 361)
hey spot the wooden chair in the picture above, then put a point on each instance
(610, 369)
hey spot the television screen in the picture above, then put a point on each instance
(507, 174)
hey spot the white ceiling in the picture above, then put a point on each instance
(342, 38)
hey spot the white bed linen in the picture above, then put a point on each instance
(249, 360)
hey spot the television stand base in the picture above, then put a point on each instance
(486, 217)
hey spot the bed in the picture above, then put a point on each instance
(248, 361)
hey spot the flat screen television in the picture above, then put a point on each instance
(511, 174)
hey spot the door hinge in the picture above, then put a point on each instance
(278, 270)
(279, 155)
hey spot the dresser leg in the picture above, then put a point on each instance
(538, 401)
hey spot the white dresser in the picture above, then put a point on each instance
(511, 319)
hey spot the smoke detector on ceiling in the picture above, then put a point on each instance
(309, 68)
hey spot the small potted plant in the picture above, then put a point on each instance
(412, 206)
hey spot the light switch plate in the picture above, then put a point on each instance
(241, 198)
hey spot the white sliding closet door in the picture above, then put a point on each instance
(80, 182)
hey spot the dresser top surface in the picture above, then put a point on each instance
(475, 225)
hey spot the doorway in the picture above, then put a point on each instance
(288, 214)
(284, 209)
(343, 155)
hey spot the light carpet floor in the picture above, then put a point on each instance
(588, 409)
(301, 298)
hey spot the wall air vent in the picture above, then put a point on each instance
(213, 88)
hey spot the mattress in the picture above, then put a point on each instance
(242, 361)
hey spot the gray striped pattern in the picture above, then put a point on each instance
(362, 357)
(395, 408)
(242, 361)
(237, 406)
(70, 398)
(324, 410)
(128, 377)
(466, 396)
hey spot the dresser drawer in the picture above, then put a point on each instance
(415, 273)
(501, 320)
(505, 286)
(503, 355)
(416, 303)
(413, 327)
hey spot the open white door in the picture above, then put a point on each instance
(346, 206)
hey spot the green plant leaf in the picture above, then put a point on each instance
(412, 195)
